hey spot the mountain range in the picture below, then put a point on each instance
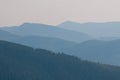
(31, 29)
(53, 38)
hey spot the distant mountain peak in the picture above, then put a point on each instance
(68, 22)
(78, 23)
(28, 24)
(33, 24)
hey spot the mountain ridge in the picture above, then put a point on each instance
(18, 62)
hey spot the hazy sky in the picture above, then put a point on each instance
(15, 12)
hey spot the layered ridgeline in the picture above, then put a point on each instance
(53, 38)
(96, 50)
(18, 62)
(4, 35)
(93, 50)
(54, 44)
(30, 29)
(107, 29)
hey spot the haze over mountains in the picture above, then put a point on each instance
(98, 51)
(107, 29)
(18, 62)
(53, 44)
(70, 42)
(4, 35)
(38, 42)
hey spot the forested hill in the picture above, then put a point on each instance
(18, 62)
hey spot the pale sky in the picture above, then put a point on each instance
(15, 12)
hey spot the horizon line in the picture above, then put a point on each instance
(70, 21)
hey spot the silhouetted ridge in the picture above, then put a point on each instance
(18, 62)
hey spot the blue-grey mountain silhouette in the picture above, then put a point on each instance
(107, 29)
(53, 44)
(29, 29)
(4, 35)
(99, 51)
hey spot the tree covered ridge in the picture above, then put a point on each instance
(18, 62)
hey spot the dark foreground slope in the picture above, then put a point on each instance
(19, 62)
